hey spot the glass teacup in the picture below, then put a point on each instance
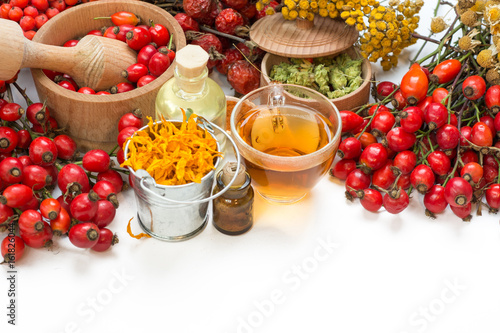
(288, 136)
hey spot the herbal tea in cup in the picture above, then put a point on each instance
(288, 136)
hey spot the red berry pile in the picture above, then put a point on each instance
(33, 14)
(440, 139)
(36, 158)
(225, 26)
(154, 53)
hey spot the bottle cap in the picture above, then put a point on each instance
(191, 61)
(228, 173)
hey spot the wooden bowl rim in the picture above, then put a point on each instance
(366, 76)
(179, 41)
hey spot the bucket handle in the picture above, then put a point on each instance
(208, 126)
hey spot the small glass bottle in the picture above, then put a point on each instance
(191, 88)
(233, 210)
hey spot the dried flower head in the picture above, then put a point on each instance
(492, 76)
(469, 18)
(438, 24)
(485, 58)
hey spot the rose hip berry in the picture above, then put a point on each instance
(84, 235)
(106, 240)
(243, 77)
(43, 151)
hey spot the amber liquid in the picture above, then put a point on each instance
(291, 131)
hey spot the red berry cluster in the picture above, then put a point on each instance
(154, 54)
(35, 159)
(439, 140)
(229, 53)
(33, 14)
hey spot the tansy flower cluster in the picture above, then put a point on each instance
(389, 31)
(385, 30)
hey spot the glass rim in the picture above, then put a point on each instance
(261, 154)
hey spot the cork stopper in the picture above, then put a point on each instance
(228, 173)
(191, 61)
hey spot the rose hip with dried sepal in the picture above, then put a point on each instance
(11, 170)
(355, 181)
(458, 192)
(122, 87)
(371, 199)
(159, 34)
(37, 113)
(16, 195)
(492, 196)
(43, 151)
(106, 240)
(73, 179)
(373, 157)
(130, 119)
(434, 200)
(8, 139)
(405, 161)
(137, 38)
(385, 176)
(422, 178)
(12, 249)
(30, 221)
(106, 191)
(41, 239)
(61, 224)
(84, 206)
(349, 148)
(36, 177)
(396, 201)
(134, 72)
(50, 208)
(84, 235)
(384, 89)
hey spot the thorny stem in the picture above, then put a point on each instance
(23, 93)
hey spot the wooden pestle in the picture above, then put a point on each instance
(95, 62)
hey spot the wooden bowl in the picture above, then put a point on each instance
(348, 102)
(92, 121)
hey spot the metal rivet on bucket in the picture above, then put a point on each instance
(184, 217)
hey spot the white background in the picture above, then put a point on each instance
(321, 265)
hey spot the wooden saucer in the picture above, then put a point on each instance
(293, 39)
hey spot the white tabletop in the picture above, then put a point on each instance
(323, 264)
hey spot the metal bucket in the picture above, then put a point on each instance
(176, 212)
